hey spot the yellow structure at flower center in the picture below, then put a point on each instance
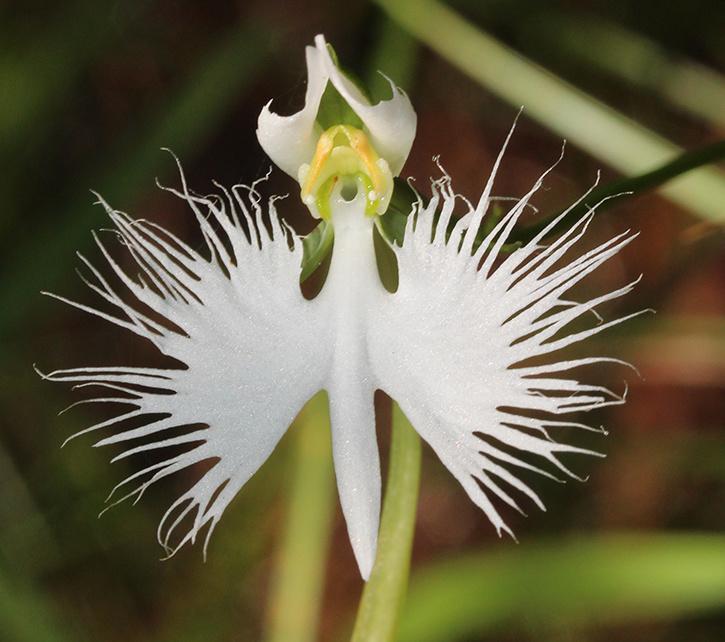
(344, 153)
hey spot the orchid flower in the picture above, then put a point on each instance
(464, 345)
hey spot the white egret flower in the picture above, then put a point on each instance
(453, 346)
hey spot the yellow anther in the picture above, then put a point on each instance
(322, 154)
(345, 152)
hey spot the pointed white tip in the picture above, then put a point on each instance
(365, 561)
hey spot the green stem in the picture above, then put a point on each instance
(384, 594)
(595, 127)
(296, 593)
(634, 185)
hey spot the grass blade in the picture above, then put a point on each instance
(294, 604)
(598, 129)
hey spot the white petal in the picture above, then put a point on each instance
(450, 345)
(351, 294)
(390, 123)
(254, 351)
(290, 140)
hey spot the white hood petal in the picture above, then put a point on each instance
(290, 140)
(391, 123)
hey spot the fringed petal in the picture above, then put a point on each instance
(452, 345)
(253, 348)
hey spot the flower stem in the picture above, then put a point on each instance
(685, 162)
(384, 594)
(296, 592)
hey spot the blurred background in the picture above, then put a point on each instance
(90, 92)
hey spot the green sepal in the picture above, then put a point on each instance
(334, 109)
(316, 246)
(391, 225)
(386, 261)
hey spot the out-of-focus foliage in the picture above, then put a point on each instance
(582, 581)
(90, 92)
